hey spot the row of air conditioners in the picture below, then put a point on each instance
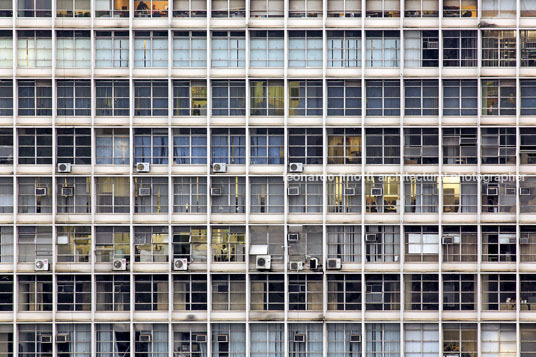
(295, 191)
(302, 338)
(60, 338)
(119, 264)
(264, 262)
(494, 191)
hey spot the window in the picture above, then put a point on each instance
(151, 145)
(382, 244)
(382, 194)
(460, 146)
(460, 48)
(421, 292)
(111, 49)
(308, 199)
(189, 8)
(228, 98)
(73, 98)
(73, 146)
(527, 194)
(156, 345)
(383, 8)
(305, 8)
(344, 195)
(73, 244)
(305, 145)
(190, 98)
(78, 339)
(34, 49)
(73, 293)
(6, 293)
(112, 98)
(6, 97)
(460, 97)
(267, 195)
(151, 98)
(266, 47)
(112, 146)
(190, 48)
(421, 194)
(228, 244)
(421, 340)
(6, 195)
(235, 336)
(498, 337)
(527, 241)
(344, 242)
(153, 8)
(421, 8)
(6, 244)
(382, 146)
(151, 244)
(190, 338)
(30, 339)
(189, 146)
(190, 292)
(383, 48)
(112, 243)
(305, 292)
(499, 97)
(499, 8)
(34, 243)
(228, 8)
(460, 338)
(267, 146)
(35, 146)
(6, 48)
(527, 295)
(189, 194)
(421, 146)
(267, 292)
(498, 146)
(267, 8)
(190, 243)
(527, 334)
(344, 97)
(150, 49)
(270, 239)
(305, 48)
(35, 97)
(113, 292)
(382, 292)
(228, 292)
(313, 336)
(35, 195)
(267, 339)
(344, 146)
(499, 243)
(421, 49)
(344, 292)
(34, 8)
(151, 292)
(151, 195)
(305, 98)
(459, 243)
(382, 340)
(35, 293)
(499, 195)
(113, 194)
(111, 8)
(528, 97)
(528, 47)
(498, 292)
(421, 97)
(344, 8)
(309, 245)
(383, 97)
(228, 49)
(459, 292)
(73, 49)
(422, 243)
(498, 48)
(73, 8)
(6, 9)
(267, 98)
(460, 8)
(228, 146)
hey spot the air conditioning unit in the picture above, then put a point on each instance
(293, 190)
(119, 264)
(143, 167)
(263, 262)
(144, 191)
(63, 239)
(349, 191)
(200, 338)
(299, 337)
(216, 191)
(448, 240)
(41, 265)
(295, 265)
(64, 167)
(145, 337)
(355, 338)
(375, 191)
(219, 167)
(313, 263)
(524, 239)
(180, 264)
(45, 338)
(295, 167)
(293, 237)
(371, 237)
(41, 191)
(524, 191)
(493, 191)
(510, 190)
(222, 338)
(67, 191)
(62, 338)
(334, 263)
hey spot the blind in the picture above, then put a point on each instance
(314, 5)
(391, 5)
(430, 5)
(336, 6)
(374, 5)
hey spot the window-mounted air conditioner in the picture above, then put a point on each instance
(334, 263)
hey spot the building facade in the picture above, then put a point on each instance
(267, 178)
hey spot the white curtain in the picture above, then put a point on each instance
(103, 5)
(160, 339)
(528, 8)
(267, 339)
(412, 49)
(469, 196)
